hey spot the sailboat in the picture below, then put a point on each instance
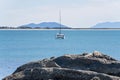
(60, 35)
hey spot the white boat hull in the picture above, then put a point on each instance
(60, 36)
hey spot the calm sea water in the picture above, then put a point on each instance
(20, 46)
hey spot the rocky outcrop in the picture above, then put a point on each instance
(86, 66)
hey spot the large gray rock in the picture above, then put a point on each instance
(96, 61)
(59, 74)
(92, 66)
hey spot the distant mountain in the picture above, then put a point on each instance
(44, 25)
(107, 25)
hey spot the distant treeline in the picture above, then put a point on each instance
(6, 27)
(25, 27)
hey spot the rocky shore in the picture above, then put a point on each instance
(86, 66)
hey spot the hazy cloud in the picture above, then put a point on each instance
(75, 13)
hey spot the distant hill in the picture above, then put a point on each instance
(107, 25)
(44, 25)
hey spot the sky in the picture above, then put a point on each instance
(74, 13)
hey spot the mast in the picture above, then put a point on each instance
(59, 35)
(60, 21)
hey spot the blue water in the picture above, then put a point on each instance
(20, 46)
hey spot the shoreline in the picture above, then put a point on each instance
(70, 29)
